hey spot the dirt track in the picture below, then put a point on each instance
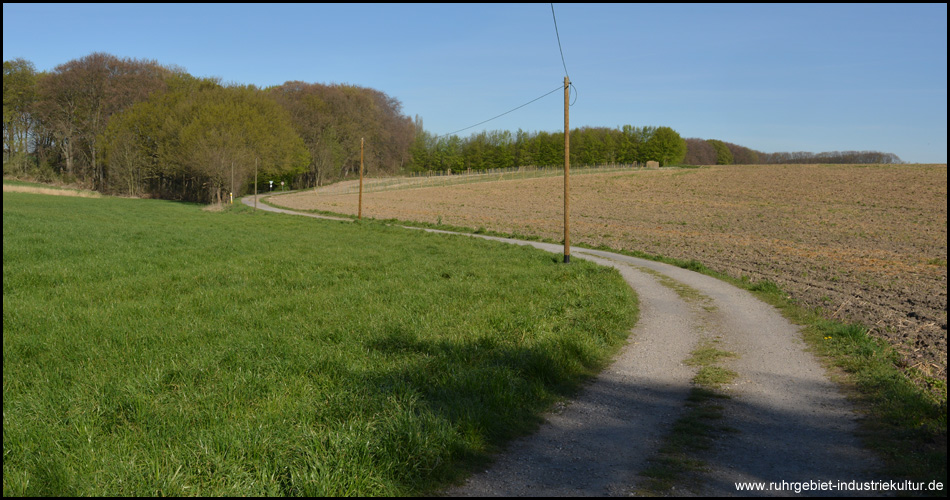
(866, 244)
(791, 423)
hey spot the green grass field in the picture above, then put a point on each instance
(152, 348)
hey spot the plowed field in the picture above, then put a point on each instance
(864, 243)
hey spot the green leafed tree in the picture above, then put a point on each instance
(723, 153)
(128, 159)
(448, 154)
(19, 99)
(420, 157)
(628, 144)
(525, 152)
(200, 140)
(665, 146)
(331, 119)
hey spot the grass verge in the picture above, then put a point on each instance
(153, 348)
(905, 412)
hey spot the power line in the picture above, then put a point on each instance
(503, 114)
(529, 102)
(562, 54)
(559, 42)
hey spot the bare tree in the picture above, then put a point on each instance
(699, 152)
(81, 95)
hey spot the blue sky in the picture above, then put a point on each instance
(771, 77)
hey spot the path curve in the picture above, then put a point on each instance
(792, 423)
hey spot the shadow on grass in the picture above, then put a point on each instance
(477, 388)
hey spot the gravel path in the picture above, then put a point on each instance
(792, 423)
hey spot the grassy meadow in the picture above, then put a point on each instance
(154, 348)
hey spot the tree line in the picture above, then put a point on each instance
(599, 146)
(716, 152)
(136, 127)
(502, 149)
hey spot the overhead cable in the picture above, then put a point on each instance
(559, 43)
(562, 54)
(545, 95)
(503, 114)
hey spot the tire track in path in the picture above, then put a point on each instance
(792, 423)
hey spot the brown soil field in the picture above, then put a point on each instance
(866, 244)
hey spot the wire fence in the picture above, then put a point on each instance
(451, 178)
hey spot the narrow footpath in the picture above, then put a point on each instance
(790, 424)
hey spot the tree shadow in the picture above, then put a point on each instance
(598, 442)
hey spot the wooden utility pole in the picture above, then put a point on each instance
(359, 212)
(567, 173)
